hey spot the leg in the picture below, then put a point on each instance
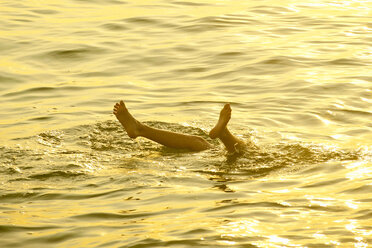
(232, 143)
(135, 128)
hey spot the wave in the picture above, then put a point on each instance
(57, 174)
(17, 228)
(72, 53)
(19, 197)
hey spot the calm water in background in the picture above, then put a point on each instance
(298, 77)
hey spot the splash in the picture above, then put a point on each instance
(85, 150)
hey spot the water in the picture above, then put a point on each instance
(297, 75)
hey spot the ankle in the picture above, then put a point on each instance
(213, 134)
(141, 128)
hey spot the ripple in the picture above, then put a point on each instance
(114, 26)
(325, 183)
(149, 242)
(110, 216)
(143, 20)
(364, 214)
(286, 31)
(47, 91)
(41, 118)
(6, 78)
(17, 197)
(57, 174)
(45, 11)
(189, 3)
(102, 2)
(246, 205)
(358, 190)
(54, 238)
(73, 54)
(17, 228)
(205, 24)
(346, 62)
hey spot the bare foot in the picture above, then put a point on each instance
(131, 125)
(225, 116)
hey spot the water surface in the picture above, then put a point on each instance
(297, 75)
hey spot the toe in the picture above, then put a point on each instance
(227, 107)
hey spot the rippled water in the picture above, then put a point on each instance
(297, 75)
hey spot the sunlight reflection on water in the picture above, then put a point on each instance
(297, 75)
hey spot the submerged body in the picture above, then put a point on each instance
(135, 128)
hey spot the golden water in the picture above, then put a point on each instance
(297, 75)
